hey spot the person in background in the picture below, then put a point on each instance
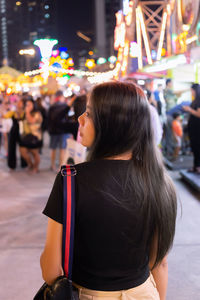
(161, 105)
(70, 125)
(177, 133)
(125, 203)
(169, 95)
(57, 116)
(43, 111)
(31, 136)
(155, 120)
(6, 123)
(17, 115)
(194, 126)
(149, 93)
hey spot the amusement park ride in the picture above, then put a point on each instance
(150, 30)
(150, 36)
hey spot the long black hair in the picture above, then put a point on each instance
(122, 121)
(196, 88)
(35, 109)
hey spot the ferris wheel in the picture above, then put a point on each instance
(147, 24)
(155, 29)
(153, 20)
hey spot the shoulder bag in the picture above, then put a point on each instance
(62, 288)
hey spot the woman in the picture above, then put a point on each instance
(17, 116)
(125, 224)
(31, 136)
(194, 126)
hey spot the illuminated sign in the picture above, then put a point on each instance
(129, 14)
(134, 49)
(120, 31)
(125, 7)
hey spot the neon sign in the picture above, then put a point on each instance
(120, 31)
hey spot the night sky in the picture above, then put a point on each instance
(73, 16)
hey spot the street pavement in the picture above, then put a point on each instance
(22, 234)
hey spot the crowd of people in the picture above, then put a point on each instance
(23, 121)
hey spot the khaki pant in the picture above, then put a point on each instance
(145, 291)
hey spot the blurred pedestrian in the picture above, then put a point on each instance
(194, 126)
(57, 116)
(31, 136)
(125, 203)
(177, 133)
(149, 92)
(6, 123)
(17, 115)
(169, 95)
(43, 111)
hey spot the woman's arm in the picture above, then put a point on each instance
(51, 257)
(192, 111)
(160, 272)
(160, 275)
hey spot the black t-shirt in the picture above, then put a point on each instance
(109, 254)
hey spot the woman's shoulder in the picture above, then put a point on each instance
(102, 166)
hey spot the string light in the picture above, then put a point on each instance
(109, 74)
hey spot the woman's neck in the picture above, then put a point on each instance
(123, 156)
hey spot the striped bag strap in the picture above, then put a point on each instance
(68, 172)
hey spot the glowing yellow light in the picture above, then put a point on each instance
(9, 90)
(181, 45)
(163, 52)
(90, 63)
(98, 76)
(120, 54)
(162, 35)
(70, 62)
(27, 52)
(139, 41)
(144, 33)
(125, 58)
(18, 3)
(90, 52)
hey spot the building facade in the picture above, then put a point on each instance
(21, 23)
(105, 22)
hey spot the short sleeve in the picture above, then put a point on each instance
(54, 206)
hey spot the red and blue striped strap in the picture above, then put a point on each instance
(68, 172)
